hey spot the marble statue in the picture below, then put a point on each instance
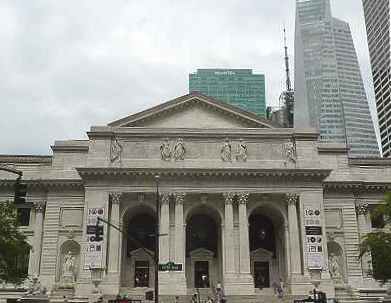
(68, 269)
(242, 151)
(165, 150)
(179, 150)
(334, 266)
(226, 151)
(115, 150)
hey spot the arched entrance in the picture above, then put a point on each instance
(203, 248)
(137, 269)
(267, 243)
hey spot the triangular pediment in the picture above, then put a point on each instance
(194, 111)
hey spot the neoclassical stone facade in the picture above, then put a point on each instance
(242, 203)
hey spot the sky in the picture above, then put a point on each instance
(68, 65)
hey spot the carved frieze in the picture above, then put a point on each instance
(226, 151)
(175, 153)
(241, 154)
(115, 150)
(289, 151)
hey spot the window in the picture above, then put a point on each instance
(377, 221)
(23, 216)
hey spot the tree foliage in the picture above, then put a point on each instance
(378, 243)
(13, 246)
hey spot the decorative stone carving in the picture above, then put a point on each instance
(243, 198)
(165, 150)
(179, 198)
(68, 268)
(228, 197)
(241, 154)
(165, 198)
(115, 150)
(115, 197)
(292, 198)
(362, 208)
(289, 151)
(35, 288)
(335, 267)
(226, 151)
(40, 206)
(179, 150)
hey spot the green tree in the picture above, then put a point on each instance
(378, 243)
(14, 249)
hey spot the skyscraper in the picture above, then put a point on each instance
(239, 87)
(377, 19)
(329, 90)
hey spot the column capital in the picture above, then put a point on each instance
(115, 197)
(362, 208)
(228, 196)
(179, 198)
(39, 206)
(165, 198)
(291, 198)
(243, 197)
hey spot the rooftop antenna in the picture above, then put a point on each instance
(288, 77)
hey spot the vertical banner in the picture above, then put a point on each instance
(313, 236)
(94, 247)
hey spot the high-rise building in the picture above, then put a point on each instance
(329, 91)
(377, 19)
(239, 87)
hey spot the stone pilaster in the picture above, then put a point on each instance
(244, 252)
(294, 244)
(364, 227)
(38, 228)
(287, 251)
(228, 233)
(164, 239)
(115, 237)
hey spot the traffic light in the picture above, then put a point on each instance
(20, 192)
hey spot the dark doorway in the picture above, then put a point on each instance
(201, 274)
(141, 274)
(261, 275)
(261, 233)
(142, 228)
(201, 232)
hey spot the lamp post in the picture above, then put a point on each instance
(157, 178)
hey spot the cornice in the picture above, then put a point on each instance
(38, 159)
(221, 133)
(357, 185)
(46, 184)
(315, 174)
(373, 162)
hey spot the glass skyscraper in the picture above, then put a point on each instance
(377, 19)
(329, 91)
(239, 87)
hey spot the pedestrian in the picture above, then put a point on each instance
(194, 299)
(220, 297)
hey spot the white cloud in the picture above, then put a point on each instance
(67, 65)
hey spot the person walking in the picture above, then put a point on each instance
(220, 297)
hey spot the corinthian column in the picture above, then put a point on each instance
(164, 239)
(114, 256)
(39, 210)
(179, 231)
(364, 221)
(294, 237)
(244, 252)
(228, 233)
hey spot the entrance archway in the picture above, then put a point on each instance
(138, 269)
(203, 248)
(267, 243)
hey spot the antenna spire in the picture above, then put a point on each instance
(288, 77)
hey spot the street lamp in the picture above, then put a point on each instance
(157, 178)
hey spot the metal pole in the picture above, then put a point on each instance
(157, 241)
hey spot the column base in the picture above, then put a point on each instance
(172, 283)
(238, 284)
